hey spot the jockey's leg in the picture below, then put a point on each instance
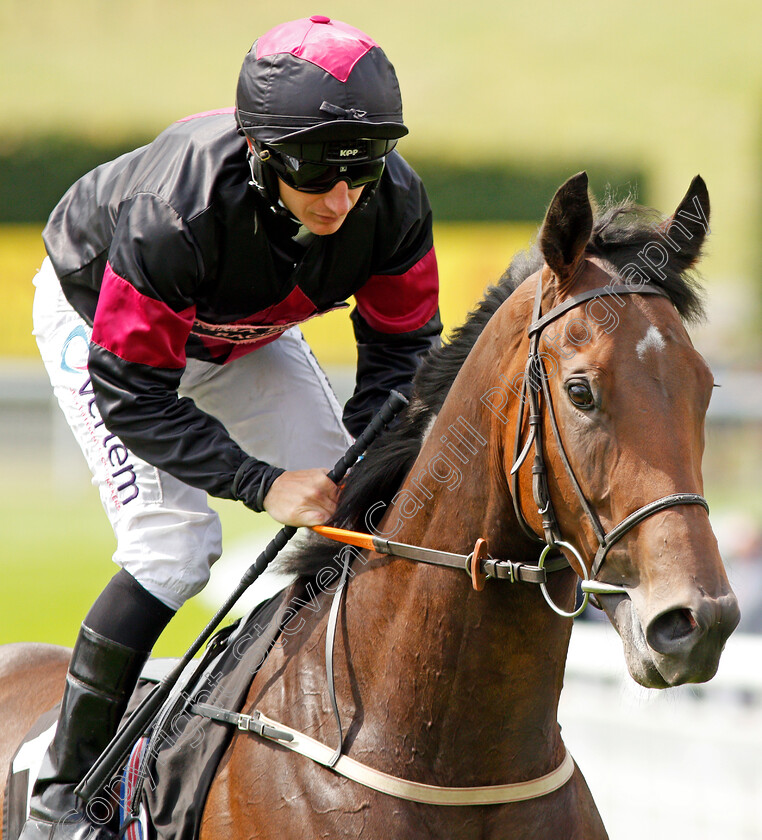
(167, 539)
(278, 405)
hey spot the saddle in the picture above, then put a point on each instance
(163, 788)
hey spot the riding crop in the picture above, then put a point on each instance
(116, 752)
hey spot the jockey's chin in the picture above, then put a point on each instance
(321, 213)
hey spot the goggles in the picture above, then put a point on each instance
(318, 167)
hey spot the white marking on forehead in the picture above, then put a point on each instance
(652, 340)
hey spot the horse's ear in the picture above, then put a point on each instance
(687, 228)
(567, 228)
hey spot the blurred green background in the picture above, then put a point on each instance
(503, 101)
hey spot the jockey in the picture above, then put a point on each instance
(167, 316)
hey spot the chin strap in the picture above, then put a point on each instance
(266, 185)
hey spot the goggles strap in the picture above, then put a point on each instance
(336, 111)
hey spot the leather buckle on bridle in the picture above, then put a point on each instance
(493, 568)
(474, 564)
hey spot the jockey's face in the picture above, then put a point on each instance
(321, 213)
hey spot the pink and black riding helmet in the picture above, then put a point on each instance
(320, 102)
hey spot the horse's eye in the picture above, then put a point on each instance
(581, 395)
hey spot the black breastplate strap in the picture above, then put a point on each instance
(536, 382)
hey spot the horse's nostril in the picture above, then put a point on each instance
(671, 629)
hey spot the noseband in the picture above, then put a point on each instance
(536, 380)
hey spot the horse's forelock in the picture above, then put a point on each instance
(631, 237)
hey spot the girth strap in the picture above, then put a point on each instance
(245, 723)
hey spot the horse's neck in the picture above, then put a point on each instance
(449, 667)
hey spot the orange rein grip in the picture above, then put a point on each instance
(344, 536)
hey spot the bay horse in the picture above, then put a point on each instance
(568, 410)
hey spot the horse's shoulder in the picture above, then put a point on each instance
(31, 682)
(29, 656)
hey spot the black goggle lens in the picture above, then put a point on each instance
(321, 177)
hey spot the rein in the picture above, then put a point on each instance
(296, 741)
(478, 565)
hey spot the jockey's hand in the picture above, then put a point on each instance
(302, 497)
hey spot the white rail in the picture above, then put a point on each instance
(681, 763)
(23, 381)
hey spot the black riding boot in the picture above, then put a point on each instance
(114, 642)
(102, 675)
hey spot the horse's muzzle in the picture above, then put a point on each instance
(673, 643)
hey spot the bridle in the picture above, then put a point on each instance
(536, 382)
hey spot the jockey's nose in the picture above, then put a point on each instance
(338, 199)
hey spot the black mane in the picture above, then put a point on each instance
(620, 231)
